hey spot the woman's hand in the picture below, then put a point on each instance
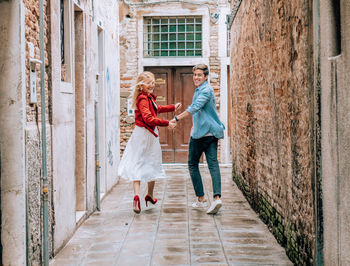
(172, 124)
(177, 106)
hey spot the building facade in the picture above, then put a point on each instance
(332, 65)
(168, 38)
(81, 91)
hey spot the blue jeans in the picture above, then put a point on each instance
(208, 145)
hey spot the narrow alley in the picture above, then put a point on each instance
(268, 82)
(172, 233)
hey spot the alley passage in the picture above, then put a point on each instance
(172, 233)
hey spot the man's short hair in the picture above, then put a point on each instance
(202, 67)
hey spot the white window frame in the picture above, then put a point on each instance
(174, 61)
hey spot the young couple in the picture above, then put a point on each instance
(142, 158)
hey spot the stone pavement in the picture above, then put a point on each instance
(171, 232)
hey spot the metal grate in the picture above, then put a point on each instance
(172, 36)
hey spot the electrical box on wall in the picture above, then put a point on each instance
(32, 75)
(32, 80)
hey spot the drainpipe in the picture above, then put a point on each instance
(97, 154)
(43, 140)
(317, 182)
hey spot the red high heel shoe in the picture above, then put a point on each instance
(148, 198)
(137, 205)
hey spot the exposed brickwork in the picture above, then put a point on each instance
(129, 63)
(271, 87)
(32, 35)
(128, 73)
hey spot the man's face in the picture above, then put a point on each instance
(199, 78)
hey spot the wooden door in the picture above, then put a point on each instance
(174, 84)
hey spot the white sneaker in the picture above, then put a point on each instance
(198, 204)
(214, 207)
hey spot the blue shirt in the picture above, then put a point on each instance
(204, 115)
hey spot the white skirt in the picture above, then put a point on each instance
(142, 157)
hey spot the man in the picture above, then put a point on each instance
(206, 131)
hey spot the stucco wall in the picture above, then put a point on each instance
(94, 83)
(106, 12)
(12, 123)
(63, 136)
(335, 131)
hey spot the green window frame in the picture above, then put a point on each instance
(228, 40)
(178, 36)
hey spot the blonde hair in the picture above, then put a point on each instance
(143, 79)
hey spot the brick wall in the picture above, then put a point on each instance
(271, 87)
(128, 71)
(129, 58)
(32, 35)
(215, 70)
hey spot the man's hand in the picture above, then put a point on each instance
(177, 106)
(172, 124)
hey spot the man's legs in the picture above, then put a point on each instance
(194, 153)
(211, 154)
(213, 165)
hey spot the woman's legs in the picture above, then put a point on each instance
(136, 205)
(151, 188)
(136, 185)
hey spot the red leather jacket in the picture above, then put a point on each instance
(147, 110)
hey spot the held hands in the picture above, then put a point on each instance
(172, 124)
(177, 106)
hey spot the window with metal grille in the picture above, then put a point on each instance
(228, 36)
(62, 30)
(172, 36)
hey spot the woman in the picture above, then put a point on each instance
(142, 158)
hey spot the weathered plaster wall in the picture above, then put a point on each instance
(94, 82)
(272, 92)
(91, 70)
(63, 138)
(107, 12)
(335, 131)
(12, 124)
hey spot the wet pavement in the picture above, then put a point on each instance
(171, 232)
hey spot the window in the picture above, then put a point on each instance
(62, 30)
(228, 40)
(335, 47)
(172, 36)
(65, 40)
